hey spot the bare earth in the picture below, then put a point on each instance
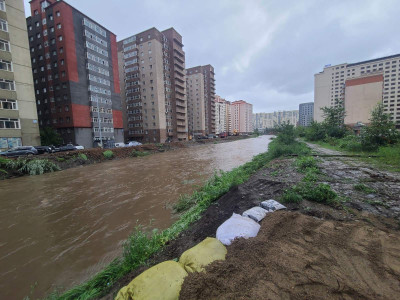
(313, 251)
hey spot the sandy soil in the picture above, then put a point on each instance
(300, 257)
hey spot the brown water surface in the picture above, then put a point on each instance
(60, 228)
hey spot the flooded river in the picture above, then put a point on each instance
(60, 228)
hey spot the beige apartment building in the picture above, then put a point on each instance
(18, 116)
(361, 86)
(241, 117)
(196, 104)
(209, 94)
(152, 75)
(270, 120)
(222, 115)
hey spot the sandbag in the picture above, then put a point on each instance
(201, 255)
(237, 227)
(256, 213)
(272, 205)
(163, 281)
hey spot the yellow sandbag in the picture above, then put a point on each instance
(163, 281)
(201, 255)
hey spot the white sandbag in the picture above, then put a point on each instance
(256, 213)
(272, 205)
(236, 227)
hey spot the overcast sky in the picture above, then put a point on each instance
(264, 52)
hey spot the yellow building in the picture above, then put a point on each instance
(18, 115)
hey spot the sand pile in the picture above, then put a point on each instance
(300, 257)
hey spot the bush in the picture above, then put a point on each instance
(38, 167)
(306, 162)
(286, 133)
(277, 149)
(290, 196)
(350, 143)
(315, 132)
(108, 154)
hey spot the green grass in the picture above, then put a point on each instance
(363, 188)
(82, 156)
(305, 163)
(136, 153)
(139, 247)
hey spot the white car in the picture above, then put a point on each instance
(134, 143)
(78, 147)
(119, 145)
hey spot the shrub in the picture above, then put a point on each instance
(350, 143)
(315, 132)
(286, 133)
(108, 154)
(306, 162)
(38, 167)
(290, 196)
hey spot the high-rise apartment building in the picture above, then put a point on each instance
(379, 77)
(270, 120)
(306, 113)
(196, 104)
(241, 117)
(209, 94)
(75, 71)
(18, 117)
(222, 115)
(153, 68)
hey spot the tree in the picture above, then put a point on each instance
(380, 132)
(49, 136)
(334, 120)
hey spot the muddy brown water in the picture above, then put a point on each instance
(58, 229)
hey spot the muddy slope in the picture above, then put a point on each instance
(300, 257)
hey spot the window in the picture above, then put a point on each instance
(60, 38)
(30, 27)
(51, 29)
(61, 50)
(58, 13)
(3, 25)
(5, 65)
(37, 24)
(44, 21)
(7, 85)
(2, 5)
(59, 26)
(8, 104)
(45, 32)
(46, 43)
(6, 123)
(51, 17)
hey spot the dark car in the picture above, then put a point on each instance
(68, 147)
(20, 151)
(44, 149)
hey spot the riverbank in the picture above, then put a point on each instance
(71, 159)
(365, 211)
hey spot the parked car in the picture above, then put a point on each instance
(79, 147)
(44, 149)
(202, 137)
(68, 147)
(134, 143)
(119, 145)
(20, 151)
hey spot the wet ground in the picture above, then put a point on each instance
(349, 251)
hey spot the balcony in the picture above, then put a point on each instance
(179, 52)
(180, 103)
(180, 72)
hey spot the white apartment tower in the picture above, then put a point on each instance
(360, 85)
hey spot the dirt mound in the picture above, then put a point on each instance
(300, 257)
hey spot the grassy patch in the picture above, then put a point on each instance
(363, 188)
(321, 193)
(82, 156)
(136, 153)
(305, 163)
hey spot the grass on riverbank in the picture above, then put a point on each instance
(139, 247)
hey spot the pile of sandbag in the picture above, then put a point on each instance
(164, 281)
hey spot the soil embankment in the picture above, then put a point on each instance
(312, 251)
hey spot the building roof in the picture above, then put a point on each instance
(373, 60)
